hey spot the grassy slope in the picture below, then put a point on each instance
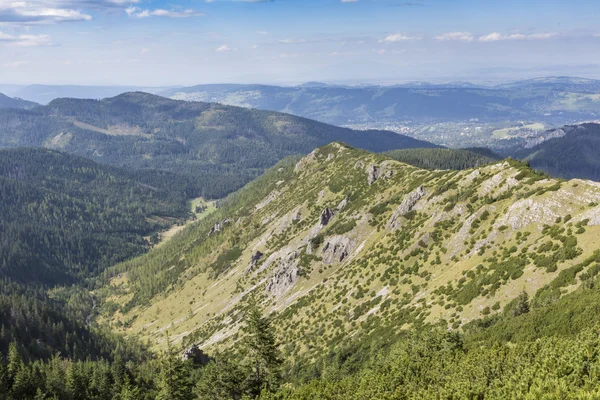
(475, 241)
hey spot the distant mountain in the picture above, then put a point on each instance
(44, 94)
(555, 100)
(556, 83)
(571, 153)
(222, 147)
(9, 102)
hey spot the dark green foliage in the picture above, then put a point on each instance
(442, 158)
(65, 218)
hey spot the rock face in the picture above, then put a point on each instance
(342, 204)
(408, 203)
(337, 249)
(373, 174)
(196, 355)
(326, 216)
(286, 275)
(254, 260)
(377, 171)
(219, 226)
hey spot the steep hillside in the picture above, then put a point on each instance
(9, 102)
(344, 242)
(65, 218)
(572, 152)
(222, 147)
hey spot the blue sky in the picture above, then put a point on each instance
(175, 42)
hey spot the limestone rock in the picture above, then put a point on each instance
(374, 174)
(218, 227)
(254, 261)
(326, 216)
(342, 204)
(286, 275)
(337, 249)
(408, 203)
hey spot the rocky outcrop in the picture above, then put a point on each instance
(254, 261)
(218, 227)
(337, 249)
(326, 216)
(342, 204)
(408, 203)
(196, 355)
(286, 275)
(377, 171)
(373, 174)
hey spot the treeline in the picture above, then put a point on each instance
(254, 369)
(455, 159)
(58, 323)
(425, 362)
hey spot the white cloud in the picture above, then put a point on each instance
(159, 12)
(495, 36)
(224, 48)
(398, 37)
(25, 40)
(54, 11)
(291, 41)
(145, 50)
(461, 36)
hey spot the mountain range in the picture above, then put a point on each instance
(222, 147)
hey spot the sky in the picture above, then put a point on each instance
(186, 42)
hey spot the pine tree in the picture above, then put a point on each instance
(263, 352)
(522, 306)
(4, 383)
(173, 382)
(129, 391)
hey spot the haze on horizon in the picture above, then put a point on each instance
(185, 42)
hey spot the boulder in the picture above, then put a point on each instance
(196, 355)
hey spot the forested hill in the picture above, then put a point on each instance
(65, 218)
(457, 159)
(9, 102)
(574, 154)
(223, 147)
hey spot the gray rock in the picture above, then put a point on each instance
(337, 249)
(326, 216)
(286, 275)
(254, 261)
(342, 204)
(374, 174)
(196, 355)
(408, 203)
(216, 228)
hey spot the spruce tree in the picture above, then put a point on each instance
(263, 352)
(174, 379)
